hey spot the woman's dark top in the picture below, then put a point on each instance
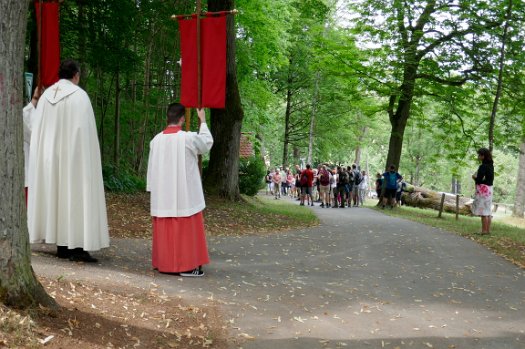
(485, 173)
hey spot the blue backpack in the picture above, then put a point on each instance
(391, 180)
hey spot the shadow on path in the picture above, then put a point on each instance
(361, 279)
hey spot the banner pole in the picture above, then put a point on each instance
(39, 45)
(199, 59)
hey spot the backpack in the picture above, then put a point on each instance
(358, 178)
(391, 180)
(304, 179)
(343, 178)
(325, 178)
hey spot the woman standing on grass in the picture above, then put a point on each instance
(484, 177)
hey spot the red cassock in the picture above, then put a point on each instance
(179, 243)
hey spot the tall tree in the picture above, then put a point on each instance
(519, 202)
(18, 284)
(499, 85)
(222, 177)
(432, 42)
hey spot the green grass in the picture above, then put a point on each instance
(506, 240)
(255, 216)
(291, 209)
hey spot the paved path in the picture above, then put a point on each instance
(360, 280)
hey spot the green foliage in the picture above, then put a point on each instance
(251, 175)
(122, 181)
(340, 68)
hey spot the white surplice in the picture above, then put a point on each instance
(173, 172)
(27, 114)
(66, 191)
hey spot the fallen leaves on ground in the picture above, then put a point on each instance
(91, 317)
(129, 217)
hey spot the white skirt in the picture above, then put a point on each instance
(482, 205)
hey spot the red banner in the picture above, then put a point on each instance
(49, 41)
(213, 62)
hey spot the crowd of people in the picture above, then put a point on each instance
(340, 186)
(335, 187)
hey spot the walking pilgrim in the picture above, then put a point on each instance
(66, 203)
(177, 199)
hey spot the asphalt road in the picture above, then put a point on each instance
(360, 280)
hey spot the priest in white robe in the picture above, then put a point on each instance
(66, 203)
(177, 199)
(27, 114)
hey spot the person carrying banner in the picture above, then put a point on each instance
(177, 199)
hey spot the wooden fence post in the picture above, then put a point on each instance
(441, 205)
(457, 207)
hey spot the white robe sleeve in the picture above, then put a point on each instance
(149, 176)
(203, 141)
(27, 114)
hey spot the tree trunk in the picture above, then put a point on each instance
(395, 145)
(116, 145)
(519, 201)
(18, 284)
(287, 116)
(222, 177)
(312, 119)
(426, 198)
(499, 87)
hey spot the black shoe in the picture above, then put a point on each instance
(197, 272)
(82, 256)
(63, 252)
(322, 205)
(341, 206)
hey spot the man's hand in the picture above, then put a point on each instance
(36, 96)
(202, 115)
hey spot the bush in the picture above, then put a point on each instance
(251, 175)
(122, 180)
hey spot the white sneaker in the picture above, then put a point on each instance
(193, 273)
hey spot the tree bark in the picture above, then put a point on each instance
(519, 201)
(312, 119)
(492, 122)
(116, 145)
(222, 177)
(426, 198)
(287, 116)
(18, 284)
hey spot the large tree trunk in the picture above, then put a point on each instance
(116, 140)
(395, 145)
(287, 113)
(492, 122)
(426, 198)
(312, 119)
(18, 284)
(519, 202)
(222, 177)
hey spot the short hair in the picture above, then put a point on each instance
(308, 166)
(68, 69)
(175, 113)
(487, 155)
(392, 167)
(354, 166)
